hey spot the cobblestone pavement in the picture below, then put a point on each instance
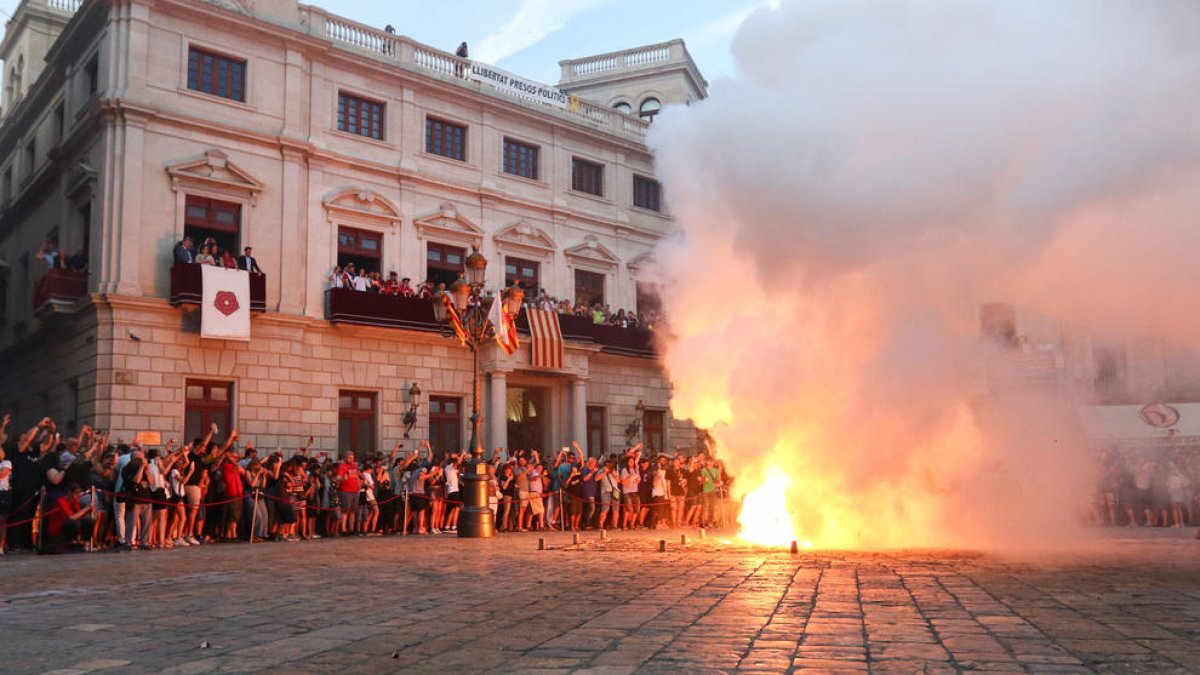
(438, 604)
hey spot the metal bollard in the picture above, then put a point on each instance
(702, 533)
(662, 545)
(574, 537)
(603, 535)
(795, 548)
(541, 544)
(683, 540)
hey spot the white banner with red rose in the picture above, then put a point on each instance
(225, 309)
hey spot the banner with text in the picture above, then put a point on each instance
(519, 87)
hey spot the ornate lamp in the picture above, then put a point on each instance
(414, 401)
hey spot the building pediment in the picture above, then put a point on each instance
(361, 204)
(214, 171)
(641, 262)
(592, 251)
(524, 235)
(447, 222)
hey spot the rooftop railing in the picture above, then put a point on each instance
(628, 59)
(408, 53)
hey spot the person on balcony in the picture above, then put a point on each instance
(247, 262)
(49, 252)
(359, 281)
(392, 285)
(406, 290)
(228, 261)
(206, 256)
(337, 278)
(185, 252)
(426, 290)
(78, 261)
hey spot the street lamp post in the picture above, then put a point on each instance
(410, 415)
(465, 305)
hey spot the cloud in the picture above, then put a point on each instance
(534, 20)
(722, 28)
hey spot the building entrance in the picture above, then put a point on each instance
(526, 410)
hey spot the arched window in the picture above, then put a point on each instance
(649, 109)
(623, 107)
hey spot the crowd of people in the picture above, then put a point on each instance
(371, 281)
(210, 253)
(1147, 490)
(56, 258)
(82, 492)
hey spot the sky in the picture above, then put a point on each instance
(530, 37)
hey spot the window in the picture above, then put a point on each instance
(443, 263)
(209, 218)
(207, 403)
(597, 445)
(1110, 370)
(998, 323)
(356, 421)
(217, 75)
(5, 284)
(623, 108)
(445, 138)
(360, 247)
(30, 158)
(587, 177)
(647, 193)
(84, 214)
(653, 430)
(649, 109)
(647, 299)
(91, 75)
(520, 159)
(60, 121)
(360, 116)
(445, 423)
(589, 287)
(523, 271)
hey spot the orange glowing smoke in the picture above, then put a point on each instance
(900, 164)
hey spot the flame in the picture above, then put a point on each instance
(765, 517)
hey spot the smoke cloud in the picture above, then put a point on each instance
(872, 174)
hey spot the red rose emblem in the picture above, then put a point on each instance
(226, 302)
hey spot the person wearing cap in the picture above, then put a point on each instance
(406, 290)
(247, 262)
(392, 285)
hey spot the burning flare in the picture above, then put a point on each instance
(765, 517)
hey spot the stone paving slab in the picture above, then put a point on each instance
(1125, 603)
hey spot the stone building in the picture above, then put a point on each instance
(1137, 395)
(318, 141)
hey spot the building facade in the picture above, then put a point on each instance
(1139, 396)
(317, 141)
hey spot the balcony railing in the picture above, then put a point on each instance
(59, 289)
(187, 287)
(348, 306)
(407, 53)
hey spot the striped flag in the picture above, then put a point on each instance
(456, 322)
(546, 347)
(506, 328)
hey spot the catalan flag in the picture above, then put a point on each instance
(546, 347)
